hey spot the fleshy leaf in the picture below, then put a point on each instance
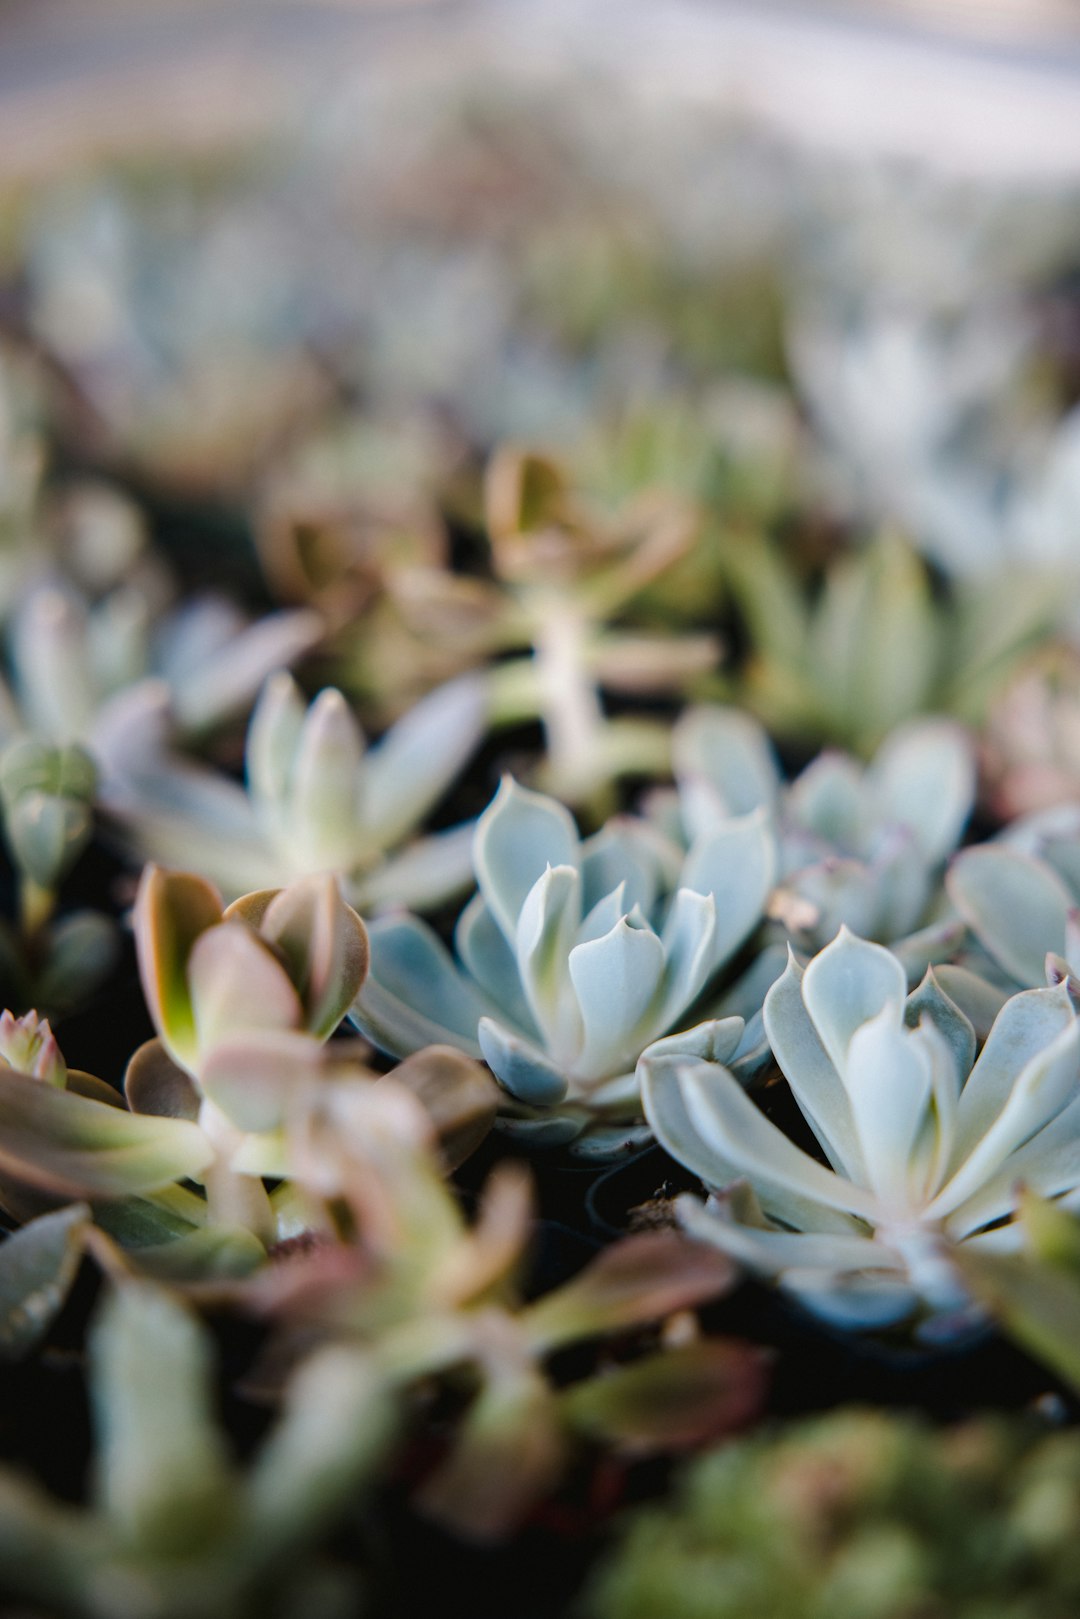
(1016, 906)
(325, 945)
(37, 1267)
(172, 910)
(517, 837)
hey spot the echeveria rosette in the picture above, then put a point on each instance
(573, 958)
(862, 846)
(319, 799)
(1020, 896)
(925, 1147)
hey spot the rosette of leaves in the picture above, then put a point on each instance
(859, 1515)
(925, 1146)
(244, 1001)
(875, 645)
(860, 845)
(1020, 896)
(435, 1303)
(573, 959)
(174, 1526)
(317, 799)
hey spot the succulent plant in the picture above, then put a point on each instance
(572, 959)
(875, 647)
(429, 1299)
(859, 1515)
(318, 801)
(243, 1001)
(925, 1146)
(860, 845)
(1019, 896)
(174, 1526)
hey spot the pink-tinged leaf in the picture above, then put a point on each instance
(459, 1094)
(325, 945)
(237, 984)
(56, 1141)
(640, 1279)
(251, 908)
(253, 1076)
(507, 1455)
(172, 910)
(155, 1085)
(673, 1400)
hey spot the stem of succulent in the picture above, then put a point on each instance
(35, 908)
(571, 712)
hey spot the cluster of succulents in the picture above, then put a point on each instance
(586, 909)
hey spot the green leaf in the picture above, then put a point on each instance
(681, 1397)
(172, 909)
(60, 1142)
(37, 1267)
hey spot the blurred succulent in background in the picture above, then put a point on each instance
(860, 845)
(122, 673)
(875, 646)
(565, 572)
(174, 1526)
(1031, 740)
(859, 1515)
(429, 1299)
(318, 800)
(574, 958)
(926, 1146)
(1020, 894)
(46, 809)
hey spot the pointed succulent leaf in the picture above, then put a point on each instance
(632, 853)
(741, 1135)
(1016, 906)
(890, 1088)
(75, 1147)
(28, 1045)
(47, 834)
(172, 910)
(930, 1001)
(428, 872)
(325, 946)
(273, 737)
(615, 979)
(689, 948)
(37, 1267)
(408, 771)
(811, 1073)
(736, 864)
(519, 1066)
(850, 982)
(1028, 1023)
(829, 799)
(546, 930)
(517, 837)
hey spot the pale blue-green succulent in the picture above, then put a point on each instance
(318, 799)
(860, 845)
(925, 1146)
(573, 958)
